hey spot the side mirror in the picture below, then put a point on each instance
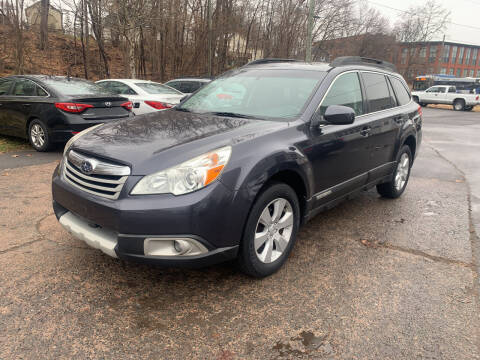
(339, 115)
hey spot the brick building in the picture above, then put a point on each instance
(438, 57)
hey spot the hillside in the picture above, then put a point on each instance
(56, 60)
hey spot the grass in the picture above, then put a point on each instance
(8, 143)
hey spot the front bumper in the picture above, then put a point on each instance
(132, 247)
(121, 227)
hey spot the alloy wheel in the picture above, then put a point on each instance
(274, 230)
(37, 134)
(401, 175)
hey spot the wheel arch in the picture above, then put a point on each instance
(411, 142)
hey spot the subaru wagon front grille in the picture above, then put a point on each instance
(95, 176)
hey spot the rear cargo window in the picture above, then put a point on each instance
(403, 95)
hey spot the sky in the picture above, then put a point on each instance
(463, 12)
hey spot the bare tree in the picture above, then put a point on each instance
(45, 7)
(418, 25)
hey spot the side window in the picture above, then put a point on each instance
(433, 90)
(442, 89)
(105, 85)
(5, 85)
(27, 88)
(393, 100)
(174, 84)
(120, 88)
(377, 92)
(345, 91)
(403, 95)
(452, 90)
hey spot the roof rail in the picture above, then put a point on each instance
(358, 60)
(268, 61)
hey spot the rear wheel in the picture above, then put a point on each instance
(270, 232)
(38, 136)
(395, 188)
(459, 105)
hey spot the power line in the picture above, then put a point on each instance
(405, 12)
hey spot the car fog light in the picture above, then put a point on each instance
(181, 246)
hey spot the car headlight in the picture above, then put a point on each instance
(186, 177)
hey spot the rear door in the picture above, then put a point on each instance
(381, 118)
(5, 87)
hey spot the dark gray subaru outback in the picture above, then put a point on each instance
(236, 168)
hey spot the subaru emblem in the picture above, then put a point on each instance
(108, 104)
(86, 167)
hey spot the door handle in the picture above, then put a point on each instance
(365, 131)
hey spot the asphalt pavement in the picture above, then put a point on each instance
(370, 279)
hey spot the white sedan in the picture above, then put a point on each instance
(146, 96)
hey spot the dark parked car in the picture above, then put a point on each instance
(188, 85)
(233, 171)
(51, 109)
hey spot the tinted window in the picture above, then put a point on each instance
(393, 100)
(452, 90)
(27, 88)
(156, 88)
(277, 94)
(403, 95)
(189, 86)
(174, 84)
(74, 87)
(5, 86)
(345, 91)
(120, 88)
(377, 92)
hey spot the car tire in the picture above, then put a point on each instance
(459, 105)
(270, 232)
(468, 108)
(415, 98)
(395, 188)
(39, 136)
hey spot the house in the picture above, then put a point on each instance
(34, 15)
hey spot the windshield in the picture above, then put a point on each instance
(277, 94)
(74, 87)
(156, 88)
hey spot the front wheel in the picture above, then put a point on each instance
(38, 136)
(395, 188)
(270, 232)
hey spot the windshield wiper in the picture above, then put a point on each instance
(234, 115)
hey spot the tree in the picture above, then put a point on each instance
(45, 7)
(418, 25)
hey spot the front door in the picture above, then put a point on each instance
(339, 153)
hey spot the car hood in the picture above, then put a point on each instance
(159, 140)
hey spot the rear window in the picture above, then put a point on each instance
(403, 95)
(155, 88)
(377, 92)
(75, 87)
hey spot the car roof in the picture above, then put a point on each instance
(346, 63)
(200, 79)
(45, 77)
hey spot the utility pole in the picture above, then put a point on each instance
(209, 35)
(308, 50)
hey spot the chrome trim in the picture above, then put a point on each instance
(89, 178)
(358, 73)
(163, 246)
(101, 167)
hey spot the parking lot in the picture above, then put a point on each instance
(372, 278)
